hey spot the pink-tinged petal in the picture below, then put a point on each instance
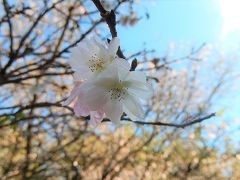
(96, 117)
(74, 93)
(94, 98)
(80, 109)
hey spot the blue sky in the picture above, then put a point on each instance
(189, 22)
(176, 20)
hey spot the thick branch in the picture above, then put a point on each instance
(109, 17)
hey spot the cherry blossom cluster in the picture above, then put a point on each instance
(104, 86)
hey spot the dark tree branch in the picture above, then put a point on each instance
(110, 18)
(194, 121)
(134, 65)
(158, 123)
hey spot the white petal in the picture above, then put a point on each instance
(123, 68)
(137, 85)
(101, 50)
(132, 107)
(140, 93)
(113, 46)
(111, 75)
(79, 56)
(129, 114)
(111, 71)
(116, 70)
(82, 74)
(78, 63)
(96, 40)
(113, 110)
(105, 82)
(140, 90)
(136, 76)
(91, 45)
(123, 63)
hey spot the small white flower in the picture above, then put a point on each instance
(117, 90)
(92, 56)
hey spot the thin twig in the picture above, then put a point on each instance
(194, 121)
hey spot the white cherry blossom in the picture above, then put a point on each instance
(117, 90)
(92, 56)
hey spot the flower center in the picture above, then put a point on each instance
(118, 92)
(96, 64)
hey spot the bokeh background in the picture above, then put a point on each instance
(189, 50)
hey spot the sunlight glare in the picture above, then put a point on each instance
(231, 16)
